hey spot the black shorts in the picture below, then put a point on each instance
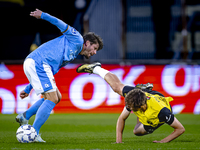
(151, 129)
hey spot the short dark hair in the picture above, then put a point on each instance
(135, 99)
(94, 39)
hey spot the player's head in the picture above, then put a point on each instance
(92, 43)
(135, 99)
(94, 39)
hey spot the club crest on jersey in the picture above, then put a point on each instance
(73, 31)
(46, 85)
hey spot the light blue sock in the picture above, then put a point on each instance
(43, 114)
(33, 109)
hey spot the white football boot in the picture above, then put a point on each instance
(39, 139)
(21, 119)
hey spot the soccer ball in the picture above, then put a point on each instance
(26, 134)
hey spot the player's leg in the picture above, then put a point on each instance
(47, 87)
(23, 118)
(51, 97)
(33, 109)
(139, 129)
(59, 95)
(42, 80)
(45, 109)
(109, 77)
(29, 70)
(43, 113)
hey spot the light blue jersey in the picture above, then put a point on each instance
(59, 51)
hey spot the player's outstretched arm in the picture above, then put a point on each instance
(53, 20)
(178, 130)
(120, 124)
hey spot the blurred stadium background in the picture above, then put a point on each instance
(144, 41)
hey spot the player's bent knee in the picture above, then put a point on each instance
(139, 132)
(182, 130)
(59, 96)
(52, 96)
(136, 133)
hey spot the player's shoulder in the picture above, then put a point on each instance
(70, 30)
(73, 35)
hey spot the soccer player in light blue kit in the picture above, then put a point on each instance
(41, 65)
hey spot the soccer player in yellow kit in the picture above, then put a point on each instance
(151, 107)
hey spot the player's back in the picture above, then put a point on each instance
(50, 53)
(59, 51)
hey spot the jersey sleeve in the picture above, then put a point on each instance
(55, 21)
(28, 88)
(128, 109)
(166, 116)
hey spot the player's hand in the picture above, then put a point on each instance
(23, 94)
(37, 13)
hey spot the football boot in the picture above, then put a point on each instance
(21, 119)
(87, 68)
(148, 86)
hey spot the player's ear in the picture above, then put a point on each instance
(87, 43)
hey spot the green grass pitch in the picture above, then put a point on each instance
(97, 132)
